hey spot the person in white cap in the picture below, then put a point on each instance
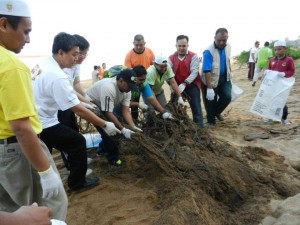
(157, 74)
(27, 171)
(285, 67)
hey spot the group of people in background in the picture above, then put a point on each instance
(43, 116)
(262, 60)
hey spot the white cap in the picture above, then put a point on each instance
(280, 43)
(14, 8)
(160, 59)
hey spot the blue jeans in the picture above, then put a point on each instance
(221, 100)
(195, 103)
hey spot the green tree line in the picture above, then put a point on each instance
(243, 57)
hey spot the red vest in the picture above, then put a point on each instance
(181, 69)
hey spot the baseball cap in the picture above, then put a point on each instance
(280, 43)
(14, 8)
(160, 59)
(129, 76)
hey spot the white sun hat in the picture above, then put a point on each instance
(280, 43)
(14, 8)
(160, 59)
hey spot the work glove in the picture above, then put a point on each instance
(143, 106)
(110, 129)
(181, 87)
(167, 115)
(89, 106)
(266, 72)
(210, 94)
(281, 74)
(135, 128)
(127, 133)
(180, 101)
(57, 222)
(51, 183)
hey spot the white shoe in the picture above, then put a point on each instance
(88, 171)
(89, 160)
(285, 122)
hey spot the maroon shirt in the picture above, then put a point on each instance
(285, 64)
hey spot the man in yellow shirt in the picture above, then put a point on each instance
(27, 170)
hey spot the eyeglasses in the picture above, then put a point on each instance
(81, 55)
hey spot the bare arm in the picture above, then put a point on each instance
(27, 215)
(29, 143)
(77, 87)
(112, 118)
(88, 115)
(208, 79)
(127, 116)
(153, 101)
(174, 85)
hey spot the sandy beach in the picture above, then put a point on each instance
(248, 175)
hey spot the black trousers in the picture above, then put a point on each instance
(72, 143)
(251, 70)
(285, 113)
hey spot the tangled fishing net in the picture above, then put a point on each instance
(199, 179)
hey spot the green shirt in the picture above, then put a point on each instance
(263, 57)
(157, 81)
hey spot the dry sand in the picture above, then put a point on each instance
(125, 197)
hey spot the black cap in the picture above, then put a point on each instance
(129, 76)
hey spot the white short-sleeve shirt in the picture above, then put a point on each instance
(52, 92)
(73, 73)
(107, 92)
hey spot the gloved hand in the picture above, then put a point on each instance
(51, 183)
(180, 101)
(127, 133)
(135, 128)
(87, 97)
(167, 115)
(210, 94)
(143, 106)
(89, 106)
(181, 87)
(57, 222)
(266, 72)
(281, 74)
(110, 129)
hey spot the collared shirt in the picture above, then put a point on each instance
(208, 59)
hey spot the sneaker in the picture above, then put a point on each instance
(88, 171)
(89, 160)
(268, 121)
(117, 163)
(220, 117)
(285, 122)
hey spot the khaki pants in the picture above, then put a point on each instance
(20, 182)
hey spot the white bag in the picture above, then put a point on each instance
(272, 96)
(92, 140)
(235, 91)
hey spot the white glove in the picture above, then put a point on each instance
(266, 72)
(210, 94)
(89, 106)
(87, 97)
(281, 74)
(181, 87)
(180, 101)
(167, 115)
(143, 106)
(110, 129)
(57, 222)
(50, 182)
(127, 133)
(135, 128)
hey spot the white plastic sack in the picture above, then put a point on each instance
(272, 96)
(92, 140)
(236, 91)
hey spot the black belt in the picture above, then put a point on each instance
(9, 140)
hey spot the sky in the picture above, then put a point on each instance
(110, 25)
